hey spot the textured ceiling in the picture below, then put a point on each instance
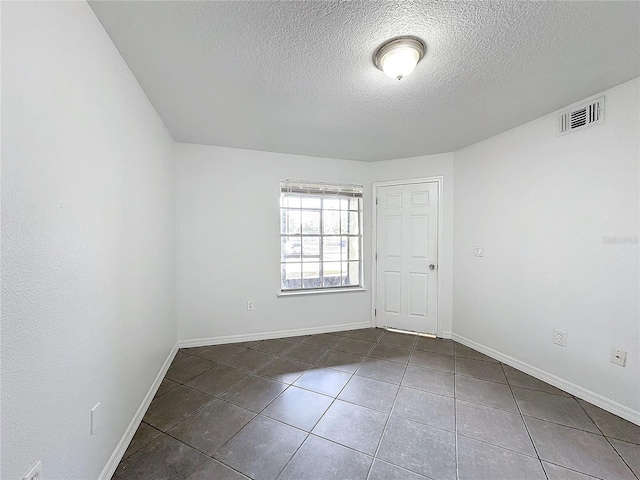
(298, 77)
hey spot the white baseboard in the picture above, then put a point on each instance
(446, 335)
(110, 468)
(248, 337)
(576, 390)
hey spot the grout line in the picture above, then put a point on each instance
(572, 470)
(395, 399)
(535, 449)
(607, 439)
(455, 416)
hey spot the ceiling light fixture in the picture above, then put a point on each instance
(399, 56)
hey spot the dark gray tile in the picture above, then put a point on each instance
(422, 449)
(254, 393)
(217, 380)
(275, 346)
(165, 386)
(247, 344)
(297, 338)
(174, 406)
(577, 450)
(194, 350)
(188, 368)
(368, 334)
(322, 340)
(630, 453)
(400, 339)
(305, 353)
(166, 458)
(211, 426)
(460, 350)
(556, 472)
(353, 426)
(553, 408)
(424, 407)
(351, 345)
(284, 370)
(433, 381)
(516, 378)
(492, 372)
(250, 360)
(341, 333)
(343, 361)
(382, 370)
(321, 459)
(143, 435)
(435, 361)
(435, 345)
(323, 380)
(498, 427)
(180, 355)
(485, 393)
(481, 461)
(612, 425)
(262, 448)
(369, 393)
(221, 353)
(385, 471)
(298, 407)
(393, 353)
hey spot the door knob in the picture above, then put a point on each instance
(432, 267)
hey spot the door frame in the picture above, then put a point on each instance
(439, 180)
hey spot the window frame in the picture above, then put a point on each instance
(322, 191)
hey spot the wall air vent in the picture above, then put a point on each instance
(581, 116)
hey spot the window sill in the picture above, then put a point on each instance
(295, 293)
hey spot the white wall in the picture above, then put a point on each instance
(421, 167)
(541, 205)
(88, 241)
(229, 243)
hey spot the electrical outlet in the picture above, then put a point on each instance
(94, 419)
(560, 338)
(35, 473)
(619, 357)
(478, 251)
(250, 305)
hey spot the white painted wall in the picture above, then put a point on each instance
(88, 241)
(541, 205)
(421, 167)
(229, 243)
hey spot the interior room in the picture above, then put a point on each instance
(320, 240)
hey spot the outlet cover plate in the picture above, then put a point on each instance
(619, 357)
(560, 338)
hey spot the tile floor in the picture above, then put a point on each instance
(369, 404)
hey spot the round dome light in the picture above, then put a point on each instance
(399, 56)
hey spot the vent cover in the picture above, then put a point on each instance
(582, 116)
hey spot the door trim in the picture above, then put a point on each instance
(440, 244)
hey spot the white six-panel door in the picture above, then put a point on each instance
(406, 266)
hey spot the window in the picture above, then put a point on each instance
(321, 235)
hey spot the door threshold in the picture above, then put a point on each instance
(410, 332)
